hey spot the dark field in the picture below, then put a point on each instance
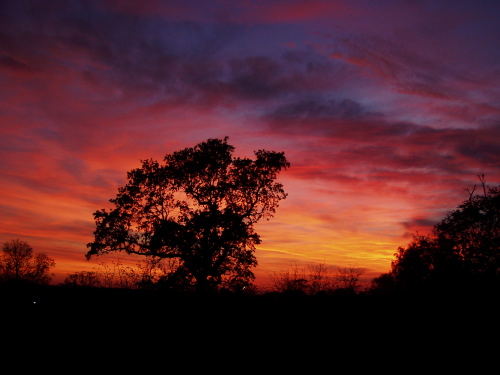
(276, 331)
(64, 307)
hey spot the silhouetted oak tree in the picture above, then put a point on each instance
(198, 208)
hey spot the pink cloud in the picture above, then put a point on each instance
(295, 11)
(383, 127)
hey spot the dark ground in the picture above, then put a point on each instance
(328, 328)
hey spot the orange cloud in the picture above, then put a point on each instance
(384, 115)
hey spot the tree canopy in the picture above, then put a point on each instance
(198, 209)
(463, 250)
(19, 263)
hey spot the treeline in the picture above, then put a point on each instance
(460, 256)
(155, 274)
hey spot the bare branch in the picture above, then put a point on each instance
(483, 182)
(471, 192)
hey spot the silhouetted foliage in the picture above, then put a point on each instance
(292, 282)
(317, 279)
(88, 279)
(383, 284)
(472, 234)
(463, 250)
(425, 263)
(199, 208)
(348, 278)
(20, 264)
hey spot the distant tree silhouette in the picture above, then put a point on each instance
(87, 279)
(199, 208)
(463, 250)
(19, 263)
(290, 281)
(316, 279)
(348, 278)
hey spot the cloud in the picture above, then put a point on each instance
(384, 112)
(354, 130)
(313, 109)
(419, 225)
(409, 72)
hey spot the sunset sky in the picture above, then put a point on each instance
(386, 111)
